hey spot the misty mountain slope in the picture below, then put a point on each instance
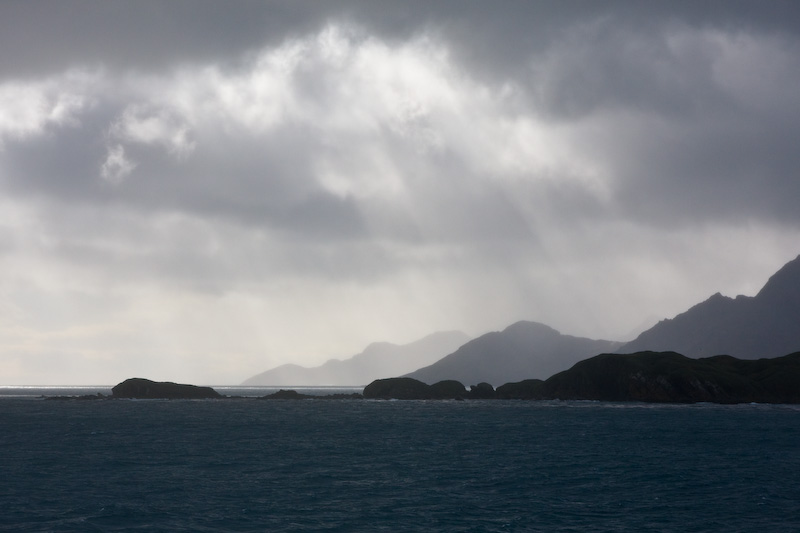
(521, 351)
(747, 327)
(376, 361)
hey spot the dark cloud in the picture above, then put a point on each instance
(568, 61)
(48, 36)
(145, 36)
(713, 173)
(202, 168)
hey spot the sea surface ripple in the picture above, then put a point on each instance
(250, 465)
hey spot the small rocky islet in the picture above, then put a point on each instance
(662, 377)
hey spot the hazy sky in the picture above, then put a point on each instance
(200, 191)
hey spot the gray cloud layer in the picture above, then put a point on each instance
(218, 188)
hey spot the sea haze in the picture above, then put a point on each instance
(250, 465)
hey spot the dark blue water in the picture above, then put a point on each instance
(250, 465)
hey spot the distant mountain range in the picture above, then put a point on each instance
(522, 350)
(376, 361)
(747, 327)
(765, 325)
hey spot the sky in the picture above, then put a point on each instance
(200, 191)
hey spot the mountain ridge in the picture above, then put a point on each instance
(766, 325)
(746, 327)
(524, 348)
(372, 363)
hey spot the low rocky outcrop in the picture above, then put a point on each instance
(285, 395)
(289, 394)
(140, 388)
(449, 389)
(528, 389)
(398, 389)
(98, 396)
(411, 389)
(482, 391)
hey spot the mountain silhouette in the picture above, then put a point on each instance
(667, 377)
(522, 350)
(376, 361)
(747, 327)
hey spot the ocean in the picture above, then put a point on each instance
(350, 465)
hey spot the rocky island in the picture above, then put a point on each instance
(411, 389)
(140, 388)
(290, 394)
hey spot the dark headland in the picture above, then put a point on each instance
(666, 377)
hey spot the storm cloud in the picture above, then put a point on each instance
(200, 191)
